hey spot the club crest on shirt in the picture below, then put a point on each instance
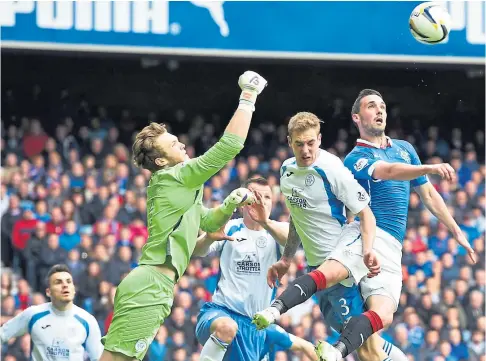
(360, 164)
(405, 156)
(261, 242)
(309, 180)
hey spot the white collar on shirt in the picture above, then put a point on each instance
(374, 145)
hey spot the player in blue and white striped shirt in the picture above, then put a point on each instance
(59, 330)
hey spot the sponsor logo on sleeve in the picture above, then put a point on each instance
(360, 164)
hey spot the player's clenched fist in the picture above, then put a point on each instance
(241, 197)
(250, 80)
(238, 198)
(251, 84)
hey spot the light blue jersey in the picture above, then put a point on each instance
(389, 198)
(242, 289)
(316, 196)
(56, 335)
(242, 286)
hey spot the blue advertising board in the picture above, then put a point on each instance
(327, 30)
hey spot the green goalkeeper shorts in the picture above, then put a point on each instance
(143, 301)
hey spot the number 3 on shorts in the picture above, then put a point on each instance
(344, 306)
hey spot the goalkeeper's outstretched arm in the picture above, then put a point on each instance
(251, 85)
(215, 218)
(197, 171)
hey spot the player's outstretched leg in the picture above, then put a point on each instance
(393, 352)
(328, 274)
(349, 300)
(376, 348)
(223, 331)
(359, 329)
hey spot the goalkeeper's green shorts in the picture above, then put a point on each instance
(143, 301)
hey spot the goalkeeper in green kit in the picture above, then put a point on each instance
(175, 213)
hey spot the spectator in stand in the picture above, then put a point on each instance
(480, 280)
(476, 345)
(56, 225)
(32, 254)
(475, 307)
(76, 265)
(438, 243)
(128, 212)
(22, 298)
(21, 232)
(51, 255)
(459, 348)
(450, 268)
(41, 213)
(89, 286)
(23, 351)
(35, 140)
(70, 238)
(158, 348)
(430, 349)
(421, 264)
(118, 265)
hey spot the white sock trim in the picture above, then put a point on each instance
(213, 350)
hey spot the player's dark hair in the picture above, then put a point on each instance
(57, 268)
(258, 180)
(363, 93)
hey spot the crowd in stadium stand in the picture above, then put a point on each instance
(74, 197)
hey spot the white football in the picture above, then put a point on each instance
(430, 23)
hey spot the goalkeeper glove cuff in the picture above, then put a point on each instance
(247, 100)
(227, 207)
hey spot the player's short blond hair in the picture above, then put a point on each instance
(144, 149)
(303, 121)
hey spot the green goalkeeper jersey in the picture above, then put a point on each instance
(174, 205)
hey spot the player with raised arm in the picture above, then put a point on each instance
(317, 186)
(175, 214)
(59, 329)
(387, 169)
(247, 247)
